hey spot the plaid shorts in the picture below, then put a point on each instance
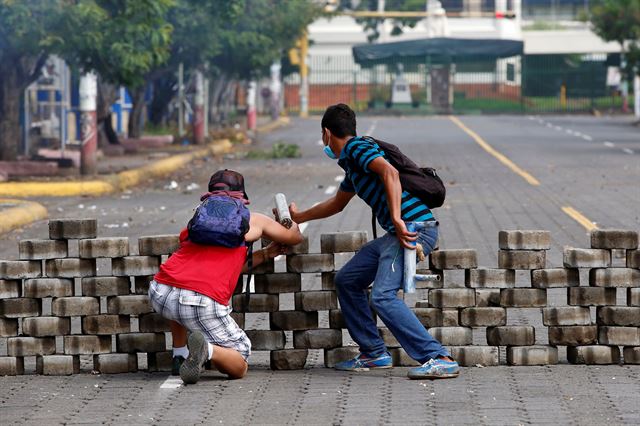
(197, 312)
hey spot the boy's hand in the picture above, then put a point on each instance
(276, 249)
(405, 237)
(293, 210)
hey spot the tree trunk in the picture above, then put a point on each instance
(136, 123)
(10, 92)
(163, 92)
(107, 95)
(219, 86)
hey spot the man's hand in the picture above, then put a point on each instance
(293, 210)
(276, 249)
(404, 236)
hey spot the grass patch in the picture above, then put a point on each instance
(278, 150)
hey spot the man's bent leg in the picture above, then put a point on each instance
(229, 361)
(178, 334)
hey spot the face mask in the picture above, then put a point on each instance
(329, 153)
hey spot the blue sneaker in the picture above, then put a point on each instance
(364, 363)
(435, 369)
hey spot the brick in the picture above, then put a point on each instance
(555, 278)
(75, 306)
(302, 248)
(586, 258)
(135, 265)
(618, 315)
(29, 346)
(267, 267)
(19, 269)
(293, 320)
(631, 355)
(103, 247)
(141, 342)
(288, 359)
(614, 239)
(20, 307)
(430, 317)
(310, 301)
(633, 259)
(159, 361)
(455, 336)
(238, 317)
(80, 345)
(619, 336)
(129, 305)
(454, 259)
(633, 297)
(614, 277)
(48, 287)
(523, 297)
(591, 296)
(105, 286)
(336, 319)
(115, 363)
(575, 335)
(401, 358)
(388, 338)
(483, 317)
(593, 355)
(511, 335)
(42, 249)
(452, 297)
(336, 355)
(317, 339)
(46, 326)
(153, 323)
(524, 240)
(8, 327)
(472, 356)
(69, 229)
(157, 245)
(450, 317)
(10, 289)
(70, 268)
(490, 278)
(106, 324)
(487, 297)
(310, 263)
(278, 283)
(11, 366)
(343, 242)
(57, 365)
(266, 340)
(257, 303)
(522, 259)
(141, 284)
(328, 280)
(532, 355)
(566, 315)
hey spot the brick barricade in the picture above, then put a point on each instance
(45, 291)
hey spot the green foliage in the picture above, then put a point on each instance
(278, 150)
(371, 24)
(619, 20)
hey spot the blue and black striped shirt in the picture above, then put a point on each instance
(355, 158)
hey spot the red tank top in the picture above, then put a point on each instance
(209, 270)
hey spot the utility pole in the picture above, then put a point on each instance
(88, 120)
(198, 122)
(304, 76)
(181, 100)
(251, 105)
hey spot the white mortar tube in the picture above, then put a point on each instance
(282, 209)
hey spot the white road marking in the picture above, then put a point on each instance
(320, 142)
(609, 144)
(628, 151)
(330, 189)
(569, 131)
(372, 128)
(587, 137)
(171, 383)
(339, 178)
(557, 128)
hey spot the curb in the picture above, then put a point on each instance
(24, 213)
(280, 122)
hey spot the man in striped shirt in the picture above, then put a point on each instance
(369, 175)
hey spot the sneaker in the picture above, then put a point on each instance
(364, 363)
(175, 365)
(435, 369)
(191, 368)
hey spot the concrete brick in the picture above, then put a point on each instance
(267, 267)
(483, 317)
(401, 358)
(619, 336)
(631, 355)
(42, 249)
(153, 323)
(633, 297)
(302, 248)
(48, 287)
(57, 365)
(317, 339)
(450, 317)
(430, 317)
(103, 247)
(257, 303)
(238, 317)
(10, 289)
(388, 338)
(141, 342)
(159, 361)
(105, 286)
(8, 327)
(29, 346)
(328, 280)
(523, 297)
(278, 283)
(310, 301)
(75, 306)
(591, 296)
(19, 269)
(618, 315)
(46, 326)
(593, 355)
(575, 335)
(522, 259)
(336, 355)
(633, 258)
(70, 268)
(288, 359)
(524, 240)
(336, 319)
(11, 366)
(555, 278)
(293, 320)
(343, 242)
(129, 305)
(586, 258)
(614, 277)
(452, 297)
(20, 307)
(158, 245)
(455, 336)
(115, 363)
(135, 265)
(266, 340)
(310, 263)
(566, 315)
(69, 229)
(511, 335)
(81, 345)
(614, 239)
(490, 278)
(487, 297)
(106, 324)
(454, 259)
(472, 356)
(532, 355)
(141, 284)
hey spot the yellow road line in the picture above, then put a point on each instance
(500, 157)
(20, 214)
(580, 218)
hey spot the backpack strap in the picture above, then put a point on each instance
(249, 276)
(374, 228)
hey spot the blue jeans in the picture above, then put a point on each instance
(381, 261)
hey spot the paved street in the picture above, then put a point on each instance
(586, 169)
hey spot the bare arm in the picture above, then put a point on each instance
(327, 208)
(261, 225)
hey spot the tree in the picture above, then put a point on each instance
(371, 25)
(619, 20)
